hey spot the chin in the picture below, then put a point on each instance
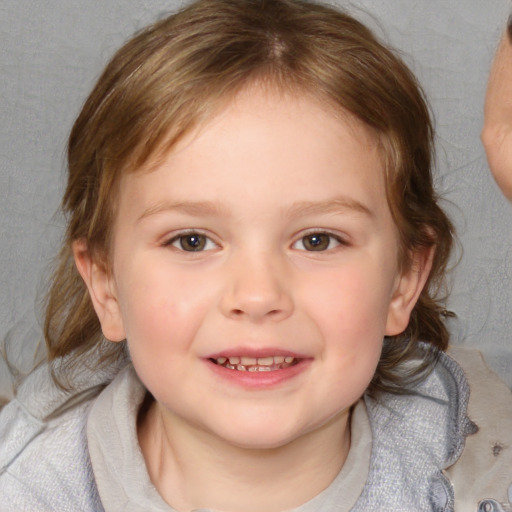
(260, 437)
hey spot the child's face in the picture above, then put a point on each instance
(265, 235)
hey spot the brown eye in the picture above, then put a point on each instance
(192, 242)
(316, 242)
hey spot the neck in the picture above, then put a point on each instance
(194, 469)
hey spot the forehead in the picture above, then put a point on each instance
(269, 144)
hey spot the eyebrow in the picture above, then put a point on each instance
(509, 27)
(194, 208)
(336, 205)
(302, 208)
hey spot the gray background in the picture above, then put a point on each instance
(51, 52)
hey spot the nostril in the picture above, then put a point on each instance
(236, 312)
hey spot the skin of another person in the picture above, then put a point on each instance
(266, 233)
(497, 131)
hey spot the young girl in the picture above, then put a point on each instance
(244, 315)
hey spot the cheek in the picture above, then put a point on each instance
(161, 309)
(351, 301)
(502, 172)
(350, 312)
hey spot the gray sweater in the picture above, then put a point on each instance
(62, 452)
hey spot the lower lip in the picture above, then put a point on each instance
(259, 380)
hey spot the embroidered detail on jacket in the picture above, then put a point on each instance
(490, 505)
(497, 448)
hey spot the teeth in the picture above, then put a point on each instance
(256, 364)
(266, 361)
(259, 369)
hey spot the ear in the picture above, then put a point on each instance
(102, 291)
(407, 291)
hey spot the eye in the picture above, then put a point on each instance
(191, 242)
(318, 241)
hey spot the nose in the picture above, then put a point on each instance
(258, 289)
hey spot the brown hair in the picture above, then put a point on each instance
(173, 74)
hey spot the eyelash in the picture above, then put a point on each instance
(176, 241)
(339, 241)
(204, 242)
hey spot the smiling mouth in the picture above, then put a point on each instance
(256, 364)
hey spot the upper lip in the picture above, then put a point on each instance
(256, 353)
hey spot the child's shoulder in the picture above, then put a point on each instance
(45, 465)
(44, 460)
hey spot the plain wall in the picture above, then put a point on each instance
(51, 53)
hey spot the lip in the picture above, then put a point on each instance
(256, 353)
(258, 380)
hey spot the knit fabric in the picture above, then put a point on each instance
(415, 437)
(45, 462)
